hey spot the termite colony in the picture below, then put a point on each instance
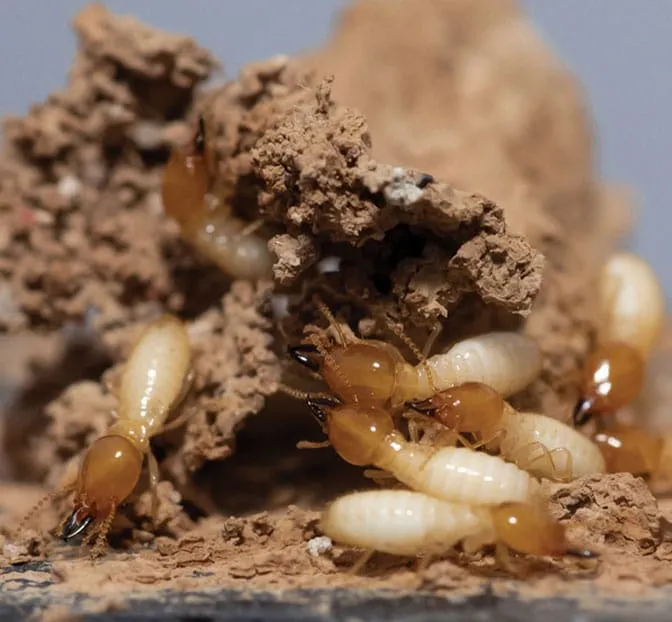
(462, 465)
(633, 310)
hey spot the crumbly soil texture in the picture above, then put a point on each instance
(455, 188)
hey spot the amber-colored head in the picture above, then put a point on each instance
(363, 372)
(612, 377)
(108, 474)
(529, 528)
(355, 435)
(629, 449)
(186, 181)
(470, 407)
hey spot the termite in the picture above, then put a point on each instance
(633, 312)
(408, 523)
(367, 437)
(631, 449)
(533, 441)
(371, 372)
(155, 379)
(227, 241)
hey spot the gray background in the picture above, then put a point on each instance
(620, 49)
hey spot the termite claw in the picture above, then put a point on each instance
(75, 526)
(301, 354)
(582, 412)
(425, 180)
(422, 406)
(316, 403)
(583, 553)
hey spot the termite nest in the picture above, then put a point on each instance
(244, 259)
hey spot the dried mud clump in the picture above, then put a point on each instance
(79, 178)
(614, 512)
(471, 94)
(469, 102)
(408, 244)
(405, 241)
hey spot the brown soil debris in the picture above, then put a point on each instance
(79, 178)
(617, 512)
(380, 167)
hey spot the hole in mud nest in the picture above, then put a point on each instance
(154, 158)
(382, 282)
(268, 472)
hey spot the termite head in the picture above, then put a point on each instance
(186, 180)
(530, 529)
(354, 434)
(469, 407)
(108, 474)
(629, 449)
(612, 376)
(364, 371)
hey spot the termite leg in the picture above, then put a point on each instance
(503, 558)
(423, 563)
(484, 442)
(431, 339)
(187, 381)
(250, 228)
(416, 423)
(112, 382)
(177, 422)
(154, 476)
(91, 534)
(101, 539)
(474, 445)
(359, 565)
(312, 444)
(525, 458)
(379, 476)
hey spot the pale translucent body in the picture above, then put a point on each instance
(523, 431)
(224, 240)
(153, 378)
(402, 522)
(633, 302)
(505, 361)
(456, 474)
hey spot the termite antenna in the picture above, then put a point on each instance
(299, 395)
(48, 498)
(329, 316)
(582, 412)
(422, 359)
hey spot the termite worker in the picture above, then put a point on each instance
(371, 372)
(227, 241)
(368, 438)
(407, 523)
(628, 448)
(633, 311)
(155, 379)
(541, 445)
